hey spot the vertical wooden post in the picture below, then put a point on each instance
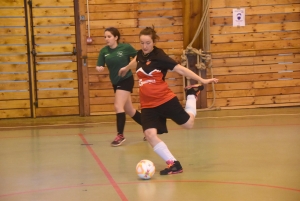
(83, 79)
(31, 69)
(192, 14)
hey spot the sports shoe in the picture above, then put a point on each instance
(118, 140)
(194, 90)
(174, 167)
(144, 139)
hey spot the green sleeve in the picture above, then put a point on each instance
(131, 51)
(101, 59)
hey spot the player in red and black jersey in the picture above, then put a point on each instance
(158, 102)
(151, 71)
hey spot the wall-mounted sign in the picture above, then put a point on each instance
(238, 17)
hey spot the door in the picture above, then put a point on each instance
(14, 61)
(38, 59)
(53, 39)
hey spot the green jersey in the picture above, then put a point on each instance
(115, 59)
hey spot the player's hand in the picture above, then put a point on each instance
(212, 80)
(99, 68)
(123, 71)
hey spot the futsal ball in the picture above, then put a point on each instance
(145, 169)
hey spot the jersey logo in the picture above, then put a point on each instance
(106, 55)
(119, 53)
(148, 62)
(141, 82)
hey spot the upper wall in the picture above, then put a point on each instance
(130, 17)
(258, 65)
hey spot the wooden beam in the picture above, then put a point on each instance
(192, 13)
(83, 79)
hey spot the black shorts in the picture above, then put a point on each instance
(157, 117)
(126, 85)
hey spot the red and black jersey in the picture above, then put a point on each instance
(151, 71)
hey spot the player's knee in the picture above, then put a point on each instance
(130, 112)
(118, 107)
(149, 134)
(188, 125)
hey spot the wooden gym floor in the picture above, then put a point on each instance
(229, 155)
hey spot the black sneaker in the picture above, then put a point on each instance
(118, 140)
(174, 167)
(194, 90)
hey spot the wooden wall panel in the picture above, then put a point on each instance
(55, 69)
(62, 30)
(257, 10)
(258, 65)
(54, 21)
(14, 113)
(55, 39)
(239, 3)
(53, 12)
(253, 19)
(12, 4)
(46, 112)
(13, 39)
(20, 22)
(14, 77)
(52, 3)
(130, 17)
(4, 31)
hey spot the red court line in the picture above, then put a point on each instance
(153, 181)
(51, 189)
(220, 182)
(103, 168)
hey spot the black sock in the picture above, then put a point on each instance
(121, 122)
(137, 117)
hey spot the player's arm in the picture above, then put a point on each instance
(188, 73)
(99, 68)
(100, 62)
(132, 64)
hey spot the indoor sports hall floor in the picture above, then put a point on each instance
(229, 155)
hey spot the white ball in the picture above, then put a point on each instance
(145, 169)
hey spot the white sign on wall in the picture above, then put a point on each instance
(238, 17)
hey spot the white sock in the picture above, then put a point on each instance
(162, 150)
(190, 105)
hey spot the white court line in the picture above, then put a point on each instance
(80, 124)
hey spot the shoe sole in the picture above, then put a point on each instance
(177, 172)
(116, 145)
(195, 86)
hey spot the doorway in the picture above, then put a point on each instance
(38, 59)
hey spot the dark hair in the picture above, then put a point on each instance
(114, 31)
(149, 31)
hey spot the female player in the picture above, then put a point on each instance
(158, 102)
(116, 55)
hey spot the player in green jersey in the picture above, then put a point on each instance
(117, 55)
